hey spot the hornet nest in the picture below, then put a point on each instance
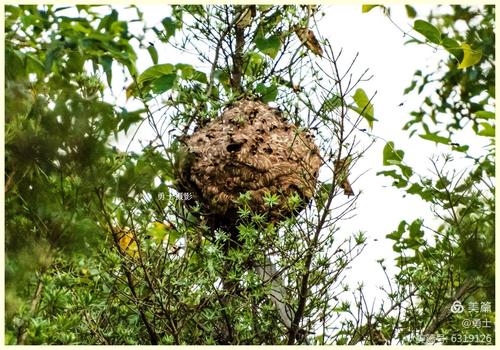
(250, 148)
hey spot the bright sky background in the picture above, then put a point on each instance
(381, 49)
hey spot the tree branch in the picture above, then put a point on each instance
(460, 295)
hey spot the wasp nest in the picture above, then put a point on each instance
(250, 148)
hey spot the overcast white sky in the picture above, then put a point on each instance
(381, 49)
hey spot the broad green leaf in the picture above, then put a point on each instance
(268, 93)
(106, 62)
(33, 64)
(331, 104)
(442, 183)
(106, 21)
(199, 76)
(161, 232)
(452, 47)
(436, 138)
(51, 57)
(253, 63)
(400, 259)
(485, 115)
(83, 29)
(415, 189)
(406, 170)
(155, 72)
(391, 154)
(15, 60)
(264, 8)
(471, 57)
(488, 130)
(365, 107)
(189, 73)
(223, 77)
(129, 118)
(461, 148)
(367, 8)
(164, 83)
(153, 53)
(186, 70)
(430, 32)
(269, 46)
(170, 26)
(410, 11)
(415, 229)
(119, 27)
(396, 235)
(412, 243)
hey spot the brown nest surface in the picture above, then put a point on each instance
(250, 148)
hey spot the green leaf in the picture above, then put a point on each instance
(436, 138)
(15, 61)
(155, 72)
(199, 76)
(153, 53)
(323, 194)
(106, 62)
(471, 57)
(51, 57)
(368, 8)
(331, 104)
(269, 46)
(129, 118)
(461, 148)
(164, 83)
(170, 26)
(488, 130)
(365, 108)
(452, 47)
(415, 229)
(415, 189)
(485, 115)
(271, 199)
(390, 154)
(396, 235)
(390, 173)
(254, 63)
(268, 93)
(430, 32)
(33, 64)
(406, 170)
(442, 183)
(410, 11)
(189, 73)
(223, 77)
(186, 70)
(108, 20)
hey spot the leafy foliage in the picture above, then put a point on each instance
(57, 130)
(455, 261)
